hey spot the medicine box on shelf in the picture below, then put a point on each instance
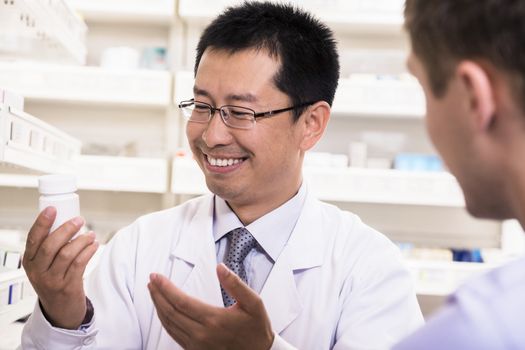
(29, 142)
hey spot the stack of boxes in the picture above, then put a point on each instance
(14, 285)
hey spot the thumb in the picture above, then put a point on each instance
(246, 298)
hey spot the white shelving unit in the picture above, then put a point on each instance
(45, 29)
(41, 82)
(122, 174)
(385, 186)
(153, 12)
(355, 16)
(349, 185)
(186, 177)
(28, 142)
(22, 307)
(372, 96)
(48, 30)
(183, 90)
(348, 22)
(103, 173)
(18, 180)
(441, 278)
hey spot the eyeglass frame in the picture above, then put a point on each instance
(256, 115)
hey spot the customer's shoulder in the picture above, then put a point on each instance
(506, 281)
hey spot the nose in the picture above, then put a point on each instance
(216, 133)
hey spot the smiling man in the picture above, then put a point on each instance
(257, 264)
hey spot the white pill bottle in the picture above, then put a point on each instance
(58, 190)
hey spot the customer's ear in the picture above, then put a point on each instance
(478, 85)
(315, 120)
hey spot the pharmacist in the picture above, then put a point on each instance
(301, 273)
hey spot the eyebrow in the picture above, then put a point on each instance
(231, 97)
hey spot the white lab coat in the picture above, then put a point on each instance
(337, 283)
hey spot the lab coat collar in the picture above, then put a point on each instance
(194, 258)
(194, 262)
(303, 251)
(271, 231)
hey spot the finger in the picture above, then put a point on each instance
(69, 252)
(181, 334)
(39, 232)
(246, 298)
(189, 306)
(54, 242)
(78, 265)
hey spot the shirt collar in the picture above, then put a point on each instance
(271, 231)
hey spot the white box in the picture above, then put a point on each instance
(15, 293)
(2, 257)
(12, 260)
(11, 99)
(4, 296)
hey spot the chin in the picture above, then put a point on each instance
(486, 209)
(224, 191)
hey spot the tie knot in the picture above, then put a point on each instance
(242, 242)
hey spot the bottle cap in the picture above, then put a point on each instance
(57, 184)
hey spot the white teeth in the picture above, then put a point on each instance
(223, 162)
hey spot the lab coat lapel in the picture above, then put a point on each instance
(194, 263)
(304, 251)
(195, 259)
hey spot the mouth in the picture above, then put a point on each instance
(223, 164)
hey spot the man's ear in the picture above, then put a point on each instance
(479, 88)
(315, 121)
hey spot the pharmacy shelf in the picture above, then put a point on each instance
(442, 278)
(102, 173)
(349, 185)
(24, 307)
(186, 177)
(17, 311)
(28, 142)
(18, 180)
(356, 16)
(183, 90)
(390, 24)
(133, 88)
(385, 186)
(376, 96)
(201, 12)
(10, 276)
(42, 30)
(153, 12)
(364, 96)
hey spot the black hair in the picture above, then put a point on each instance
(305, 47)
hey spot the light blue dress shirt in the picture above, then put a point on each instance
(271, 232)
(487, 313)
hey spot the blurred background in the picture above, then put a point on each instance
(91, 87)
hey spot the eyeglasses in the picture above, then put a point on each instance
(233, 116)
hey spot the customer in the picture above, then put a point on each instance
(470, 59)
